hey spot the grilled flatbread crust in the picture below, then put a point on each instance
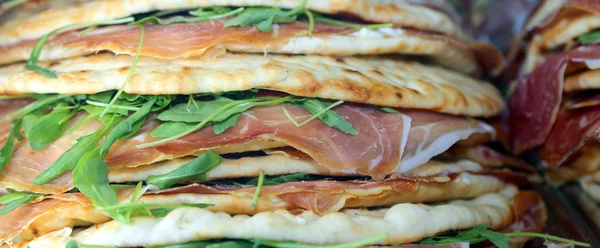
(402, 223)
(371, 80)
(400, 12)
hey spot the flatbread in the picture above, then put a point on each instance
(380, 81)
(280, 163)
(588, 162)
(403, 223)
(447, 51)
(55, 212)
(400, 12)
(591, 185)
(586, 80)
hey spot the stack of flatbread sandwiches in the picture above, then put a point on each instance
(555, 103)
(255, 123)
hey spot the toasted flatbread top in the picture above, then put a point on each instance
(401, 12)
(380, 81)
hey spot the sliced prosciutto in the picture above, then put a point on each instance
(321, 197)
(381, 148)
(537, 98)
(432, 134)
(7, 107)
(187, 39)
(570, 132)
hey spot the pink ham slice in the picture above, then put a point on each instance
(432, 134)
(7, 107)
(189, 39)
(537, 98)
(570, 132)
(376, 151)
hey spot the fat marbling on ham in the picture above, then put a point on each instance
(536, 100)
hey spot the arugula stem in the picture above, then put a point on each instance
(34, 106)
(261, 181)
(213, 115)
(311, 21)
(315, 116)
(289, 116)
(15, 97)
(11, 4)
(546, 236)
(131, 72)
(351, 25)
(99, 104)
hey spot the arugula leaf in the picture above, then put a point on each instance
(482, 233)
(221, 126)
(68, 160)
(37, 105)
(322, 110)
(473, 236)
(44, 130)
(72, 244)
(149, 209)
(9, 145)
(128, 127)
(90, 177)
(264, 18)
(498, 239)
(12, 3)
(14, 200)
(221, 113)
(261, 180)
(385, 109)
(131, 71)
(275, 180)
(200, 15)
(32, 62)
(589, 38)
(194, 170)
(170, 129)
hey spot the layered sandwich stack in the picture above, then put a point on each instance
(555, 104)
(267, 123)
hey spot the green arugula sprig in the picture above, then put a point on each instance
(589, 38)
(199, 15)
(224, 111)
(263, 18)
(11, 4)
(259, 185)
(194, 170)
(14, 200)
(482, 233)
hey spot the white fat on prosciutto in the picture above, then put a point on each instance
(432, 134)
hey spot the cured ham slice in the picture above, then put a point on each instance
(537, 98)
(376, 151)
(7, 107)
(570, 132)
(321, 197)
(432, 134)
(209, 39)
(488, 157)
